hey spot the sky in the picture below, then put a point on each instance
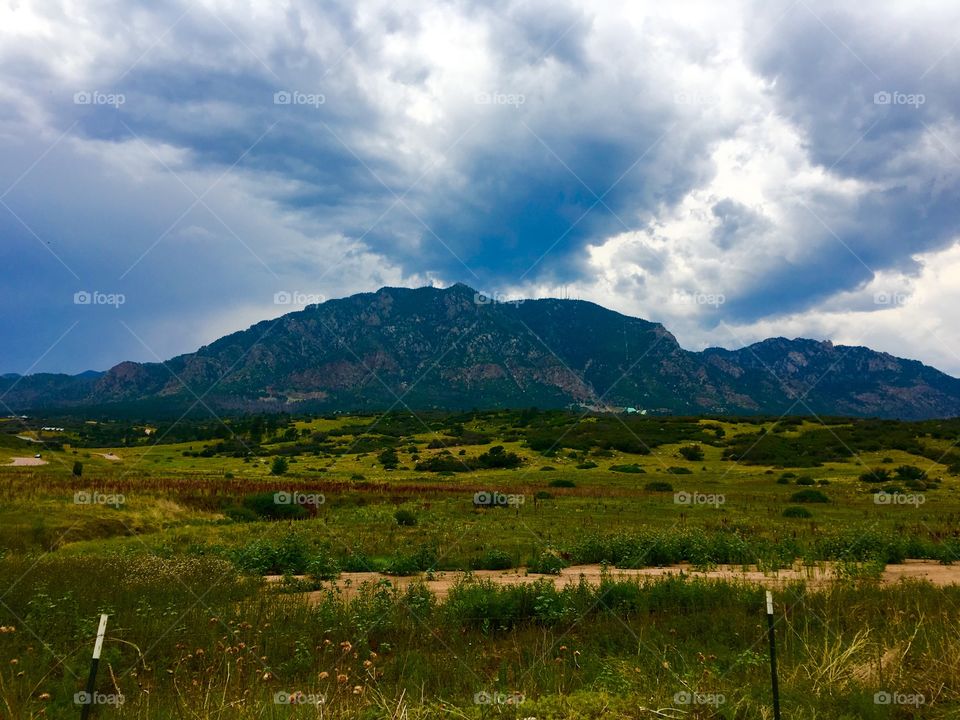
(174, 171)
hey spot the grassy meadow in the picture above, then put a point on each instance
(172, 527)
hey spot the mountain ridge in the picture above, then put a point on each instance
(455, 348)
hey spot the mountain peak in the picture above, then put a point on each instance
(456, 348)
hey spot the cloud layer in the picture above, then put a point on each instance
(734, 172)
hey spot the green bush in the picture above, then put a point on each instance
(547, 562)
(658, 486)
(497, 457)
(405, 518)
(493, 559)
(323, 566)
(588, 465)
(265, 506)
(809, 496)
(631, 468)
(279, 465)
(805, 480)
(676, 470)
(562, 483)
(693, 453)
(797, 512)
(875, 475)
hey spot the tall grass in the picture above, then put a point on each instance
(190, 638)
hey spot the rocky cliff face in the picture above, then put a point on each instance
(433, 348)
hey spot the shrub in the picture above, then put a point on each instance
(693, 453)
(805, 480)
(875, 475)
(493, 559)
(562, 483)
(658, 486)
(279, 465)
(795, 511)
(910, 472)
(543, 495)
(548, 468)
(444, 462)
(547, 562)
(77, 468)
(588, 465)
(783, 480)
(265, 505)
(241, 514)
(675, 470)
(389, 459)
(405, 518)
(497, 457)
(631, 468)
(323, 566)
(809, 496)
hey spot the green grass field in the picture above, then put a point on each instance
(172, 540)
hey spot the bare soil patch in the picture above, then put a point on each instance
(26, 461)
(348, 583)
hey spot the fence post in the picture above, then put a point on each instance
(773, 657)
(94, 664)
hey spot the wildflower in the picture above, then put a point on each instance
(324, 675)
(266, 676)
(368, 664)
(345, 646)
(357, 689)
(341, 678)
(44, 696)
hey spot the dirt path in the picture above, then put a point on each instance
(26, 461)
(820, 575)
(109, 456)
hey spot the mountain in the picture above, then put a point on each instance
(454, 349)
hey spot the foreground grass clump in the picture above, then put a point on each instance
(190, 638)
